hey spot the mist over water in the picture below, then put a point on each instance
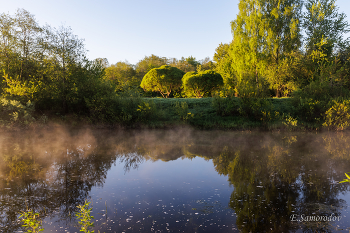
(176, 180)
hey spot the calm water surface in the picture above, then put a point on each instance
(176, 180)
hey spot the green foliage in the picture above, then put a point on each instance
(148, 63)
(31, 221)
(189, 64)
(132, 110)
(338, 116)
(311, 102)
(102, 109)
(249, 45)
(147, 111)
(86, 84)
(85, 218)
(281, 76)
(123, 110)
(255, 109)
(322, 20)
(164, 80)
(202, 83)
(21, 90)
(321, 91)
(33, 224)
(246, 87)
(283, 37)
(123, 75)
(228, 106)
(182, 111)
(346, 180)
(258, 109)
(290, 123)
(224, 67)
(13, 112)
(309, 110)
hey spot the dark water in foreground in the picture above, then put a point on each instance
(177, 180)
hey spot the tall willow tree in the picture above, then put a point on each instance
(264, 32)
(248, 51)
(283, 37)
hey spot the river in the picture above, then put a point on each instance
(176, 180)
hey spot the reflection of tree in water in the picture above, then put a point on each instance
(274, 177)
(131, 160)
(51, 182)
(277, 178)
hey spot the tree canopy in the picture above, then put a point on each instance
(264, 33)
(202, 83)
(123, 75)
(322, 21)
(164, 80)
(48, 66)
(248, 51)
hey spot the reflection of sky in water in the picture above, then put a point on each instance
(176, 195)
(345, 214)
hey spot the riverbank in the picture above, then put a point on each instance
(200, 113)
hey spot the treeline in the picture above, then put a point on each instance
(127, 76)
(44, 70)
(286, 48)
(278, 48)
(47, 66)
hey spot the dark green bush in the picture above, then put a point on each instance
(311, 103)
(122, 110)
(228, 106)
(182, 111)
(258, 109)
(252, 108)
(13, 112)
(309, 110)
(321, 91)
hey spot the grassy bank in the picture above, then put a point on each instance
(249, 113)
(215, 113)
(202, 113)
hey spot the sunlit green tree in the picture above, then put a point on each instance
(164, 80)
(148, 63)
(283, 37)
(249, 47)
(123, 75)
(202, 83)
(223, 65)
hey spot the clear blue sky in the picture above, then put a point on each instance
(132, 29)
